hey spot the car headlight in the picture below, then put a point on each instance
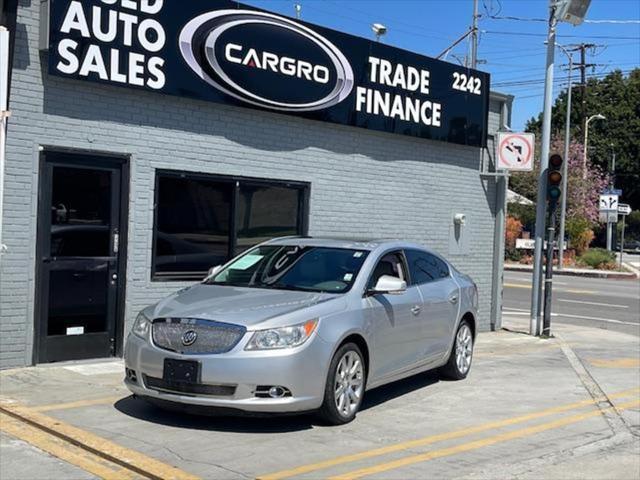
(141, 326)
(284, 337)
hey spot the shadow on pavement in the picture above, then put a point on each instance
(230, 420)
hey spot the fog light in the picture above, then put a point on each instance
(272, 391)
(131, 375)
(276, 392)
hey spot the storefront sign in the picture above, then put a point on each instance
(225, 52)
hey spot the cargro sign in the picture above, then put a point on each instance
(225, 52)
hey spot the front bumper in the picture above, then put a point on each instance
(303, 370)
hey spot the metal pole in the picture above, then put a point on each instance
(4, 114)
(609, 230)
(624, 217)
(541, 202)
(584, 153)
(548, 275)
(474, 36)
(567, 140)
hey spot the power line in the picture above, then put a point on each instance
(527, 34)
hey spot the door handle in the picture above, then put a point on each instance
(416, 310)
(453, 298)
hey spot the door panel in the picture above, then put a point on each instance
(397, 332)
(394, 319)
(78, 249)
(440, 314)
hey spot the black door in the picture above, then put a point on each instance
(79, 249)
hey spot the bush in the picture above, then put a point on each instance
(599, 258)
(580, 234)
(525, 213)
(513, 229)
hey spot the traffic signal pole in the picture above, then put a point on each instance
(548, 272)
(536, 286)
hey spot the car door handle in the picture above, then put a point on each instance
(453, 298)
(416, 310)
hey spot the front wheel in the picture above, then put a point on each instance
(459, 362)
(345, 386)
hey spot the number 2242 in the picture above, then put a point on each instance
(467, 84)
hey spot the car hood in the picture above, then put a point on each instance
(238, 305)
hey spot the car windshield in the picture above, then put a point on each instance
(292, 267)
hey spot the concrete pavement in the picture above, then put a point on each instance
(524, 412)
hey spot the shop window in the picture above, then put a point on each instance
(200, 220)
(265, 212)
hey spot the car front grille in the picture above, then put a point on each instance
(184, 388)
(195, 336)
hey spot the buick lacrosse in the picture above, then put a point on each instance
(300, 324)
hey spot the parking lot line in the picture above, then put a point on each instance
(129, 459)
(63, 450)
(77, 404)
(485, 442)
(438, 438)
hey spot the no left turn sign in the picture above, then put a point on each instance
(515, 151)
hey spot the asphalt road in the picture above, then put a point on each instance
(603, 303)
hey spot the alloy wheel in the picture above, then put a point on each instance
(349, 383)
(464, 348)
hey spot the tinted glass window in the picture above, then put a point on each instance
(265, 212)
(391, 264)
(425, 267)
(80, 212)
(194, 229)
(192, 225)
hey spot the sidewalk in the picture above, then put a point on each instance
(566, 407)
(580, 272)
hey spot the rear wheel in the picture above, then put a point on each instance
(345, 386)
(459, 362)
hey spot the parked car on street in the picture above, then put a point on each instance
(298, 324)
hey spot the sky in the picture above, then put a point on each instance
(512, 51)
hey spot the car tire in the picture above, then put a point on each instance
(459, 363)
(344, 387)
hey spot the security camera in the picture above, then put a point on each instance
(379, 29)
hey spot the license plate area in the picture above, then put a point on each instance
(181, 371)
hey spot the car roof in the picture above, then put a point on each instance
(351, 243)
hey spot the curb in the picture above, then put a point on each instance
(574, 273)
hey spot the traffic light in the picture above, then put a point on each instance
(554, 178)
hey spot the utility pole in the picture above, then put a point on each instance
(583, 65)
(565, 173)
(474, 36)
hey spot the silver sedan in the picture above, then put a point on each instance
(300, 324)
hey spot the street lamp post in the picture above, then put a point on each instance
(586, 138)
(567, 140)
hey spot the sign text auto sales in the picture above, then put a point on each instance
(228, 53)
(122, 46)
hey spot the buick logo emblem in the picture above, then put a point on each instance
(189, 337)
(266, 60)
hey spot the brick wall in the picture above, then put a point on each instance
(363, 183)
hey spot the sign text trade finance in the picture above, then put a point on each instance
(224, 52)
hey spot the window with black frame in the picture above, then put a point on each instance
(200, 219)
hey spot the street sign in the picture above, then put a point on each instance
(608, 216)
(515, 151)
(613, 191)
(624, 209)
(608, 203)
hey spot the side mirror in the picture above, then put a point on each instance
(214, 270)
(390, 285)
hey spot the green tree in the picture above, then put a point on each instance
(617, 97)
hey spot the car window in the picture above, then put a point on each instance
(425, 267)
(292, 267)
(390, 264)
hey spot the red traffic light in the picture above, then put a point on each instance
(555, 161)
